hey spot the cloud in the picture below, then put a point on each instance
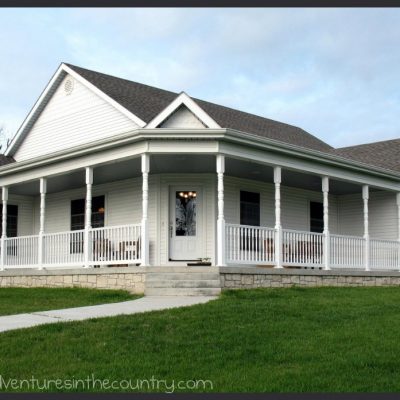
(334, 72)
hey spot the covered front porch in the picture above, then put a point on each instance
(247, 212)
(346, 225)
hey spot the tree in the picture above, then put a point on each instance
(4, 139)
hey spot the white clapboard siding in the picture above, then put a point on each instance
(25, 213)
(182, 118)
(295, 204)
(70, 120)
(382, 215)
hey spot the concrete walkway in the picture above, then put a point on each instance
(144, 304)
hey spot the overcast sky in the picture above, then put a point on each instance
(333, 72)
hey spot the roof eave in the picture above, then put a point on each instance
(312, 154)
(217, 134)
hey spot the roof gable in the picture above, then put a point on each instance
(183, 100)
(182, 118)
(46, 96)
(147, 102)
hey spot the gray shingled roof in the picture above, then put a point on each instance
(147, 101)
(5, 160)
(385, 154)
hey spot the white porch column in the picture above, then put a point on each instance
(145, 247)
(221, 256)
(365, 196)
(398, 227)
(4, 227)
(278, 225)
(326, 248)
(43, 190)
(88, 215)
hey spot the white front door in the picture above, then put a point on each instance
(185, 225)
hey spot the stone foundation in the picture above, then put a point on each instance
(252, 277)
(131, 279)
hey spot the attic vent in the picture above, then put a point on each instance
(68, 86)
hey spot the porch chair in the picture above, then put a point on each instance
(269, 247)
(102, 249)
(309, 252)
(129, 249)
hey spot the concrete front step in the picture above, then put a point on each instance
(182, 276)
(170, 269)
(214, 283)
(182, 291)
(182, 281)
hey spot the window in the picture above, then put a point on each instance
(12, 220)
(78, 213)
(185, 213)
(249, 208)
(316, 217)
(78, 220)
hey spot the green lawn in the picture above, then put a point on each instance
(267, 340)
(25, 300)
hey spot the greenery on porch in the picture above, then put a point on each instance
(263, 340)
(26, 300)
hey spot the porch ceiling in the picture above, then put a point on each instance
(264, 173)
(184, 163)
(118, 170)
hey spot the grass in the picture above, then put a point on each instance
(264, 340)
(25, 300)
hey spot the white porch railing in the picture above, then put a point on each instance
(256, 245)
(115, 245)
(108, 246)
(63, 248)
(249, 244)
(21, 251)
(347, 251)
(302, 248)
(244, 245)
(384, 254)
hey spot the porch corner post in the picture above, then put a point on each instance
(326, 247)
(278, 224)
(398, 227)
(145, 246)
(4, 227)
(88, 215)
(221, 255)
(43, 190)
(365, 196)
